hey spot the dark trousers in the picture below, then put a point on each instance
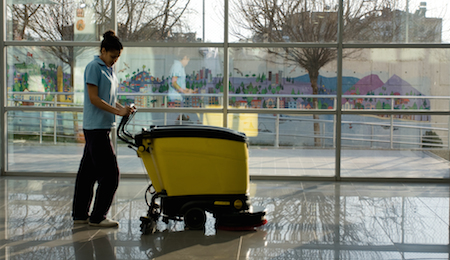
(99, 164)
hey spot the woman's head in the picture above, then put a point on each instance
(183, 55)
(110, 48)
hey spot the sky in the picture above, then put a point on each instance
(214, 17)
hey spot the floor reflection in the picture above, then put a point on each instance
(184, 242)
(97, 245)
(307, 220)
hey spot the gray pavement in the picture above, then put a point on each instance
(65, 158)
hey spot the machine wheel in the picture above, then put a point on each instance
(148, 225)
(195, 218)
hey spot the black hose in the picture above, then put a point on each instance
(122, 133)
(151, 193)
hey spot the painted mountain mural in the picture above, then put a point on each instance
(365, 85)
(395, 86)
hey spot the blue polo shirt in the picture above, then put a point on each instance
(104, 77)
(177, 70)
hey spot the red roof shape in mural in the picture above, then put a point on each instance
(140, 79)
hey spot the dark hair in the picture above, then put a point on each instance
(111, 41)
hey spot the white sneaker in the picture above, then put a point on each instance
(105, 223)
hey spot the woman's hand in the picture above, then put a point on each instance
(187, 91)
(125, 111)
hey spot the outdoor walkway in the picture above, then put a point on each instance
(263, 162)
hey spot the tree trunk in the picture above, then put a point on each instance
(313, 76)
(77, 132)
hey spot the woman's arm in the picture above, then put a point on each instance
(178, 88)
(118, 105)
(175, 84)
(100, 103)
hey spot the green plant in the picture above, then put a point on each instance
(431, 137)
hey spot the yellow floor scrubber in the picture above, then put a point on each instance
(195, 169)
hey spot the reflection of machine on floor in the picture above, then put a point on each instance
(166, 242)
(194, 169)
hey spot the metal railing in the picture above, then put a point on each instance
(18, 97)
(60, 131)
(29, 97)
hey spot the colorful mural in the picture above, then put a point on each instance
(262, 84)
(31, 78)
(143, 82)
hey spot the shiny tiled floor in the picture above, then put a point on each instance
(306, 220)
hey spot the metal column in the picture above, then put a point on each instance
(3, 117)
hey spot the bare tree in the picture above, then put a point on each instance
(148, 20)
(138, 20)
(306, 21)
(23, 15)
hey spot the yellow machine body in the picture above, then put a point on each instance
(184, 166)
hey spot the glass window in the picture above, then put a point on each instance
(46, 76)
(285, 78)
(305, 144)
(148, 77)
(57, 20)
(171, 77)
(283, 21)
(395, 146)
(296, 88)
(87, 20)
(396, 79)
(183, 21)
(44, 141)
(408, 21)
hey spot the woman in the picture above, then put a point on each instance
(177, 87)
(178, 79)
(99, 162)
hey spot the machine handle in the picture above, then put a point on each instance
(122, 133)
